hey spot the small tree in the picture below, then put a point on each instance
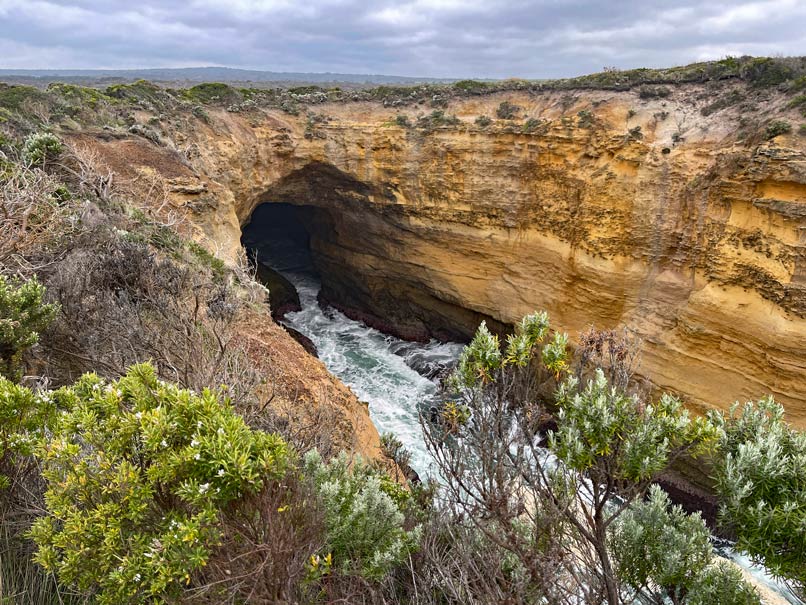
(23, 314)
(612, 447)
(137, 471)
(507, 111)
(553, 508)
(761, 479)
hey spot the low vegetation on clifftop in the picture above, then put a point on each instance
(153, 451)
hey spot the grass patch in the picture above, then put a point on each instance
(207, 258)
(211, 93)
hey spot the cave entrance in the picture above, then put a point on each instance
(277, 241)
(278, 236)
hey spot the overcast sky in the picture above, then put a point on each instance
(448, 38)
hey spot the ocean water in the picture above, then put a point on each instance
(392, 375)
(396, 378)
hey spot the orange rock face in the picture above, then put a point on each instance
(605, 209)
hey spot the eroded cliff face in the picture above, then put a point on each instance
(686, 235)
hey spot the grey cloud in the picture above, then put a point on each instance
(451, 38)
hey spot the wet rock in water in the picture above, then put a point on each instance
(283, 296)
(306, 342)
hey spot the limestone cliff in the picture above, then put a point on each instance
(604, 208)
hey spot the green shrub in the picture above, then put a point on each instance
(402, 121)
(586, 118)
(137, 471)
(799, 102)
(24, 417)
(762, 487)
(777, 128)
(216, 265)
(507, 111)
(212, 92)
(653, 92)
(483, 121)
(437, 118)
(473, 87)
(667, 554)
(635, 133)
(41, 147)
(363, 517)
(23, 314)
(765, 72)
(16, 97)
(733, 98)
(532, 124)
(393, 448)
(603, 431)
(722, 583)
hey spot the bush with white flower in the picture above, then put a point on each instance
(24, 415)
(137, 473)
(365, 524)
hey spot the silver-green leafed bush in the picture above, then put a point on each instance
(24, 416)
(41, 147)
(363, 516)
(761, 481)
(722, 583)
(23, 315)
(663, 552)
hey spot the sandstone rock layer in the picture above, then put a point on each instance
(687, 235)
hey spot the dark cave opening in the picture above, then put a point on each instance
(277, 240)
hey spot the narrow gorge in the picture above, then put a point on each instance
(605, 208)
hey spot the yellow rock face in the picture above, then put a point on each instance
(687, 235)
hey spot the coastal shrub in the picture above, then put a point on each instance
(402, 121)
(483, 121)
(532, 124)
(507, 111)
(473, 87)
(212, 92)
(586, 118)
(635, 134)
(653, 92)
(23, 315)
(761, 481)
(763, 72)
(41, 147)
(393, 448)
(664, 553)
(363, 517)
(607, 446)
(734, 97)
(436, 119)
(25, 415)
(777, 128)
(137, 471)
(799, 102)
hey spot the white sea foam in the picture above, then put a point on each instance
(377, 367)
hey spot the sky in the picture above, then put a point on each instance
(425, 38)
